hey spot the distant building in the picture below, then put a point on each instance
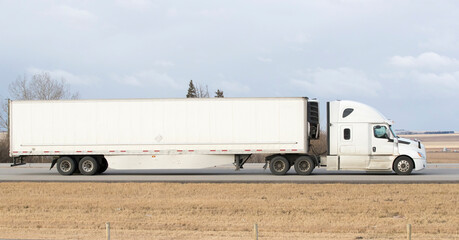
(439, 132)
(407, 132)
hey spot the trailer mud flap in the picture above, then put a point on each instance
(53, 163)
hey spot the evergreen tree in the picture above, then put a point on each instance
(219, 94)
(191, 91)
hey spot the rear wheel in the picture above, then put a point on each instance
(66, 166)
(403, 166)
(88, 166)
(304, 165)
(279, 165)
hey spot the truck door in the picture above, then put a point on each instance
(353, 146)
(381, 141)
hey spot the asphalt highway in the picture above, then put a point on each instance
(252, 173)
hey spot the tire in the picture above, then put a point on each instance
(304, 165)
(88, 166)
(403, 166)
(66, 165)
(103, 165)
(279, 165)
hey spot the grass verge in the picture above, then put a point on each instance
(227, 211)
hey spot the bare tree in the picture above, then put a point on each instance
(4, 148)
(319, 146)
(202, 92)
(3, 115)
(4, 143)
(41, 87)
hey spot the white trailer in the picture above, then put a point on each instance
(87, 136)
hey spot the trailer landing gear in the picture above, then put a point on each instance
(240, 160)
(18, 161)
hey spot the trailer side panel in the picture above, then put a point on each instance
(159, 126)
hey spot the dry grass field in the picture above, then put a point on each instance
(435, 143)
(227, 211)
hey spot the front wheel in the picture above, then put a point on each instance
(304, 165)
(279, 165)
(403, 166)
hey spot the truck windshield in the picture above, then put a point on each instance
(392, 131)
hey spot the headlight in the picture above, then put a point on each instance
(421, 155)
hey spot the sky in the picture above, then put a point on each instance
(401, 57)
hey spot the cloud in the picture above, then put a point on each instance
(172, 12)
(234, 86)
(262, 59)
(299, 38)
(429, 60)
(70, 78)
(163, 63)
(340, 82)
(442, 41)
(129, 80)
(423, 85)
(429, 73)
(437, 84)
(135, 4)
(148, 78)
(71, 13)
(212, 12)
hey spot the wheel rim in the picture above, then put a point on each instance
(403, 166)
(279, 166)
(65, 166)
(87, 166)
(303, 166)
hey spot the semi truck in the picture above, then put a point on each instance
(88, 136)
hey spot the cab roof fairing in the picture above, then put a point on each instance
(361, 113)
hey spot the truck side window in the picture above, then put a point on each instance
(347, 134)
(380, 131)
(347, 112)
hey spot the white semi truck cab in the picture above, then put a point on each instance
(88, 136)
(361, 138)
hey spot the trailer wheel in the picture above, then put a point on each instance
(88, 166)
(279, 165)
(403, 165)
(103, 165)
(304, 165)
(66, 166)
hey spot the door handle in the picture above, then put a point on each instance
(374, 149)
